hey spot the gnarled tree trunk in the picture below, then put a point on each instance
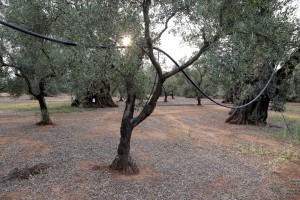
(255, 113)
(99, 99)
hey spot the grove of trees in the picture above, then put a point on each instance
(238, 45)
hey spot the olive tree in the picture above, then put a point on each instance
(34, 60)
(210, 16)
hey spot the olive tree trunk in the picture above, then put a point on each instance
(255, 113)
(199, 101)
(123, 161)
(101, 98)
(45, 118)
(172, 94)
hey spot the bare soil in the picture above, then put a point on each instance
(183, 151)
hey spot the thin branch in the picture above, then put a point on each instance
(10, 65)
(19, 75)
(166, 26)
(45, 53)
(206, 44)
(204, 48)
(48, 57)
(52, 75)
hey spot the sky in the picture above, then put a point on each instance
(173, 46)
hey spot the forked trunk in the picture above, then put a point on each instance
(45, 118)
(256, 113)
(123, 161)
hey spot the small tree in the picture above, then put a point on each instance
(169, 88)
(197, 73)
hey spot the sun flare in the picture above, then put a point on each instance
(126, 41)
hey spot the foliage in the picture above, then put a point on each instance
(98, 59)
(16, 87)
(34, 60)
(243, 62)
(31, 58)
(198, 73)
(294, 86)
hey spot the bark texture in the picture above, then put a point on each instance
(123, 161)
(45, 118)
(256, 113)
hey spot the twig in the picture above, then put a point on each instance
(287, 125)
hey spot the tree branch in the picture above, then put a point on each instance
(206, 44)
(204, 47)
(48, 57)
(166, 26)
(146, 6)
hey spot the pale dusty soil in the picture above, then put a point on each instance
(183, 151)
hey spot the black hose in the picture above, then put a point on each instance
(192, 82)
(220, 104)
(36, 34)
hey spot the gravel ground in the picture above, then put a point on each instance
(80, 146)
